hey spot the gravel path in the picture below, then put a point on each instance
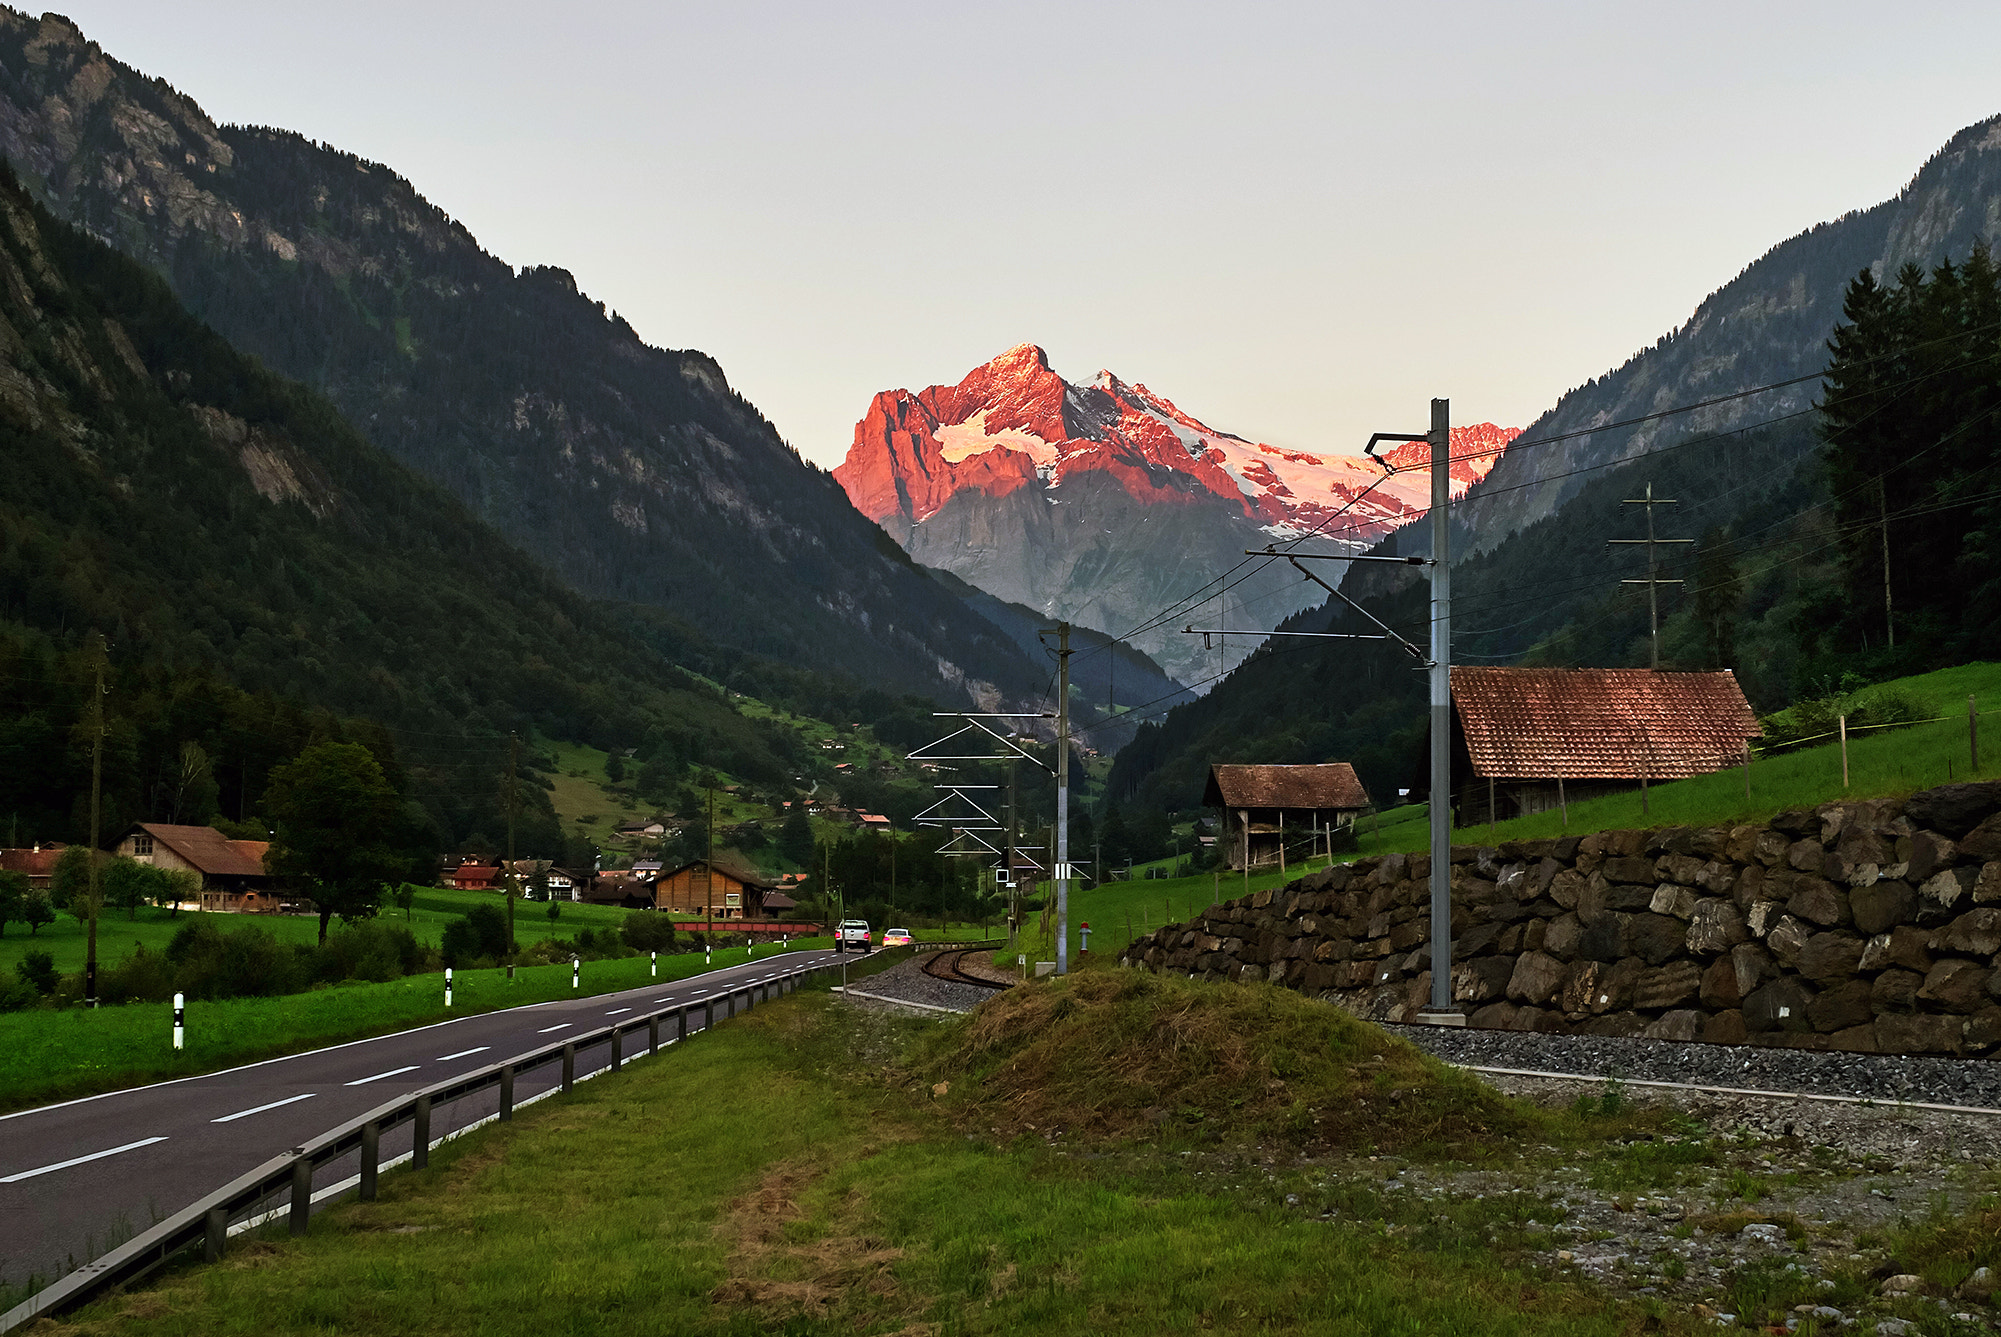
(1975, 1082)
(907, 981)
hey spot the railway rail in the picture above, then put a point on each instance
(946, 966)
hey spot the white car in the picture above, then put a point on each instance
(896, 937)
(853, 933)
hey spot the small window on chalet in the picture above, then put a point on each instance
(733, 900)
(142, 844)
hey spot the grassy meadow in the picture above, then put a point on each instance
(58, 1054)
(894, 1194)
(430, 910)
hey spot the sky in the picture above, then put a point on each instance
(1299, 221)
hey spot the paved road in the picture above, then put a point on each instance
(81, 1177)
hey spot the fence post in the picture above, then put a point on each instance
(215, 1234)
(1747, 770)
(506, 1092)
(420, 1134)
(569, 1066)
(653, 1034)
(1841, 722)
(1972, 738)
(302, 1194)
(371, 1157)
(709, 1012)
(680, 1023)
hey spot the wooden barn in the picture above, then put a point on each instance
(722, 890)
(1527, 740)
(232, 871)
(1267, 808)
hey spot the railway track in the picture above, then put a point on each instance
(945, 966)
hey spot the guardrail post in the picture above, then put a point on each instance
(506, 1092)
(680, 1023)
(617, 1048)
(653, 1034)
(420, 1133)
(371, 1156)
(302, 1194)
(709, 1013)
(569, 1067)
(215, 1234)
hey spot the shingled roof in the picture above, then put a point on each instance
(1332, 785)
(1600, 724)
(211, 851)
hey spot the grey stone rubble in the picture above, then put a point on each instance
(1883, 1077)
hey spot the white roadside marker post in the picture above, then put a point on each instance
(656, 965)
(576, 971)
(448, 987)
(180, 1020)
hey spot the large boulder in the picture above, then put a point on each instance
(1956, 986)
(1830, 958)
(1536, 978)
(1927, 852)
(1671, 898)
(1481, 980)
(1882, 906)
(1787, 940)
(1779, 1006)
(1919, 1034)
(1818, 901)
(1754, 967)
(1895, 991)
(1657, 938)
(1675, 984)
(1946, 894)
(1837, 1009)
(1954, 809)
(1679, 1025)
(1983, 841)
(1714, 927)
(1719, 985)
(1975, 933)
(1606, 938)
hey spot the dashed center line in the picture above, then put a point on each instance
(615, 1011)
(559, 1026)
(259, 1109)
(465, 1053)
(393, 1072)
(79, 1160)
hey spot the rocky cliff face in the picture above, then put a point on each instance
(1105, 503)
(634, 472)
(1871, 927)
(1768, 324)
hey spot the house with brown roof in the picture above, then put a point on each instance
(232, 871)
(1525, 740)
(38, 863)
(473, 876)
(1265, 808)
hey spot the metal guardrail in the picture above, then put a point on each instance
(207, 1222)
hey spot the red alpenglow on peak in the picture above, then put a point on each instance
(1014, 423)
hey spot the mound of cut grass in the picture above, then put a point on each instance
(1119, 1054)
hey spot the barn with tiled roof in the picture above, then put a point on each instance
(1534, 738)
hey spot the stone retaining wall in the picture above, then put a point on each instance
(1869, 926)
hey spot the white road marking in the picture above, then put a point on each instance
(393, 1072)
(564, 1025)
(80, 1160)
(615, 1011)
(244, 1114)
(465, 1053)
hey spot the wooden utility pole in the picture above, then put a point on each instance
(513, 880)
(709, 871)
(1883, 509)
(1654, 579)
(93, 897)
(1062, 798)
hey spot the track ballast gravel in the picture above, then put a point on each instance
(1886, 1077)
(906, 982)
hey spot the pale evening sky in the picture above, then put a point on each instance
(1299, 221)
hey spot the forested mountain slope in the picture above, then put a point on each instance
(256, 565)
(631, 471)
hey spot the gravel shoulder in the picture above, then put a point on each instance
(907, 982)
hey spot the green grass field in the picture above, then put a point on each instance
(860, 1205)
(430, 910)
(52, 1055)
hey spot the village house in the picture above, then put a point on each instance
(621, 889)
(37, 863)
(1265, 808)
(724, 890)
(232, 872)
(1529, 740)
(473, 876)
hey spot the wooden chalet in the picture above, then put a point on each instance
(620, 889)
(471, 876)
(1525, 740)
(232, 873)
(1266, 806)
(715, 888)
